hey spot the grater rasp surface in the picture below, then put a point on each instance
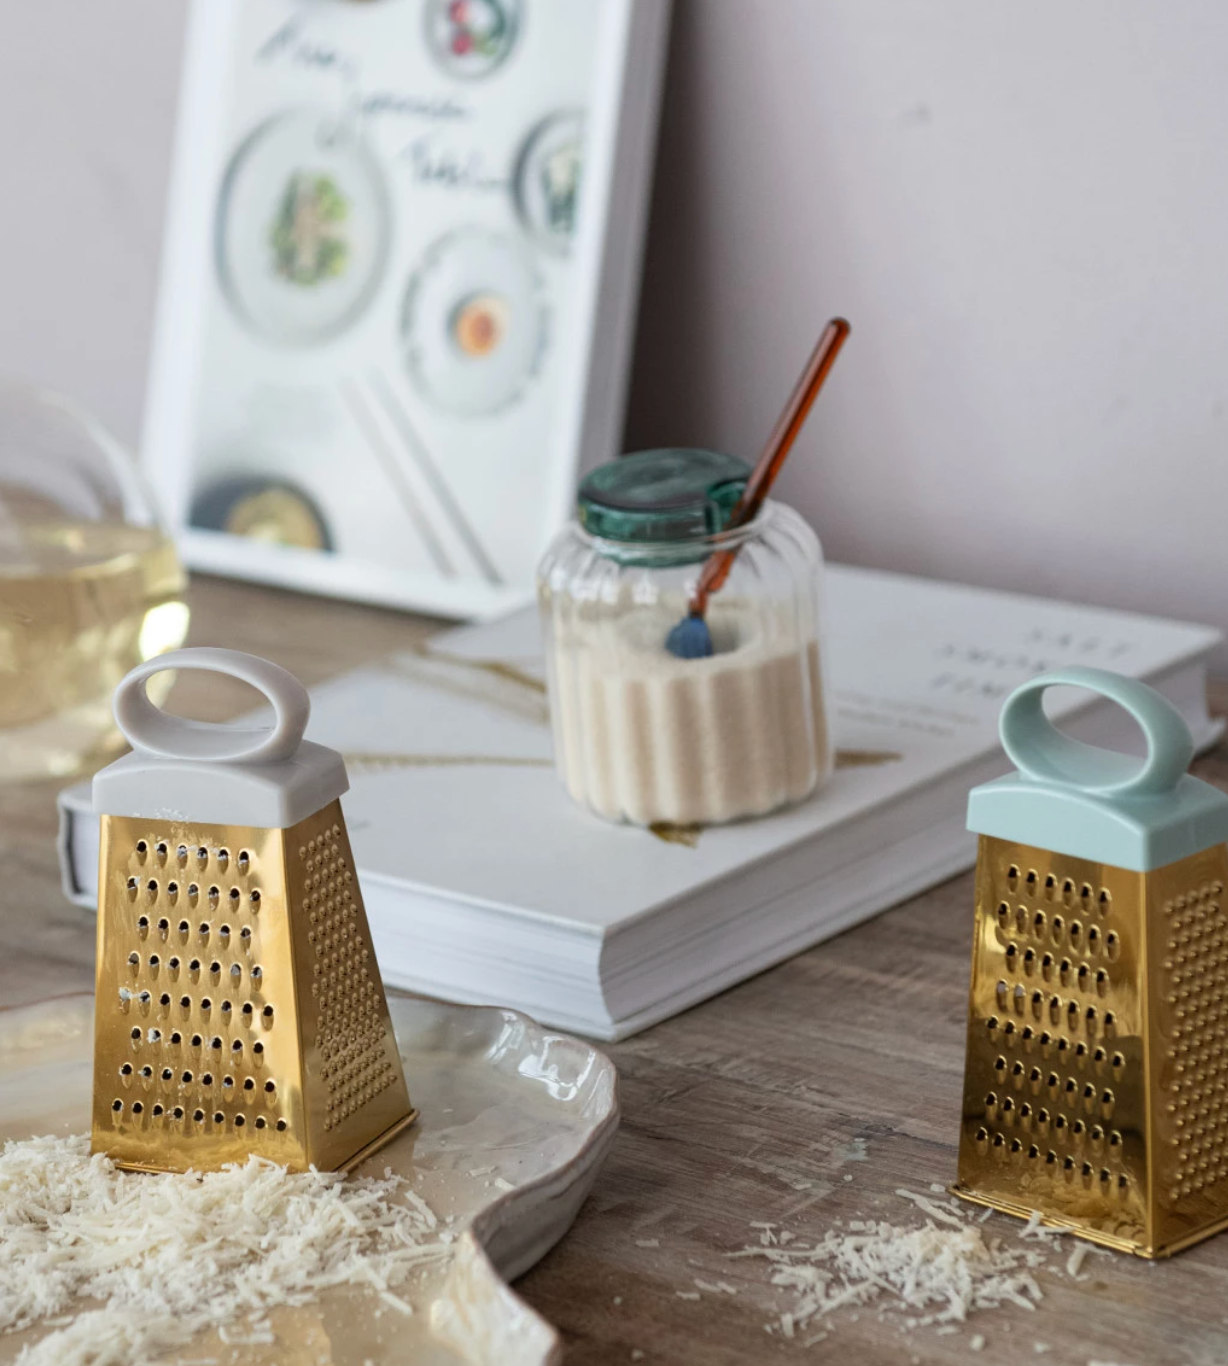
(238, 1006)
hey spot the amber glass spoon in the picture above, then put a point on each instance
(691, 639)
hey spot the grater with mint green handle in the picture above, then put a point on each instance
(1096, 1082)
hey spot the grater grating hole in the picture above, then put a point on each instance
(214, 896)
(216, 1044)
(177, 1112)
(239, 1121)
(136, 1034)
(254, 898)
(196, 1041)
(234, 897)
(1112, 945)
(261, 1121)
(237, 1046)
(134, 885)
(281, 1126)
(1030, 882)
(142, 848)
(198, 1116)
(158, 1112)
(117, 1105)
(228, 1085)
(1012, 873)
(206, 1078)
(244, 861)
(181, 855)
(223, 858)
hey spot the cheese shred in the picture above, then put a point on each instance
(146, 1263)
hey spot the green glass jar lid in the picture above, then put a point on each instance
(675, 494)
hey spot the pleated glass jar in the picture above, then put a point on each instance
(639, 734)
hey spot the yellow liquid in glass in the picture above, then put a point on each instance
(87, 602)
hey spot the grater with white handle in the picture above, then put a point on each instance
(1096, 1085)
(239, 1008)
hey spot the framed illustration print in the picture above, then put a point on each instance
(398, 286)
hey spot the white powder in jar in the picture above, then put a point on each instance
(642, 736)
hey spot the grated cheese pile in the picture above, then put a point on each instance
(169, 1257)
(943, 1271)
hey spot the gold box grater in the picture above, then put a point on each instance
(239, 1008)
(1096, 1084)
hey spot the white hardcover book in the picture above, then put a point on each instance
(483, 882)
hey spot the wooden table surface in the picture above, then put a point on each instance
(808, 1095)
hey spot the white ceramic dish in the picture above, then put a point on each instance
(502, 1101)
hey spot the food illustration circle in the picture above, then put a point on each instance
(547, 180)
(266, 510)
(470, 38)
(475, 322)
(302, 229)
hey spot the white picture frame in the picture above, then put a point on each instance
(389, 325)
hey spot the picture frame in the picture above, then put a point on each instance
(398, 287)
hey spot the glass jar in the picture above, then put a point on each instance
(643, 736)
(90, 584)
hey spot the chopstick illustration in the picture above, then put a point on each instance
(416, 449)
(391, 465)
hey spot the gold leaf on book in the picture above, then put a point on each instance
(687, 835)
(360, 763)
(493, 682)
(866, 758)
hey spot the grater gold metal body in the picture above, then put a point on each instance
(238, 1004)
(1096, 1082)
(1096, 1086)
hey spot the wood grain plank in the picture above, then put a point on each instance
(807, 1095)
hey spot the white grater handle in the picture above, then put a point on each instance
(149, 729)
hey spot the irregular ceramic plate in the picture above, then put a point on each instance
(502, 1102)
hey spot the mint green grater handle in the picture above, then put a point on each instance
(1043, 753)
(1073, 798)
